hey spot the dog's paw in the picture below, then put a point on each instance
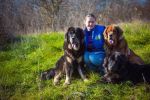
(56, 83)
(43, 76)
(103, 80)
(85, 80)
(67, 82)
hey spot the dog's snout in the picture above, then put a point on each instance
(73, 38)
(110, 36)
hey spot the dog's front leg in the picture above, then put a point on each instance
(81, 74)
(68, 74)
(105, 65)
(71, 71)
(57, 78)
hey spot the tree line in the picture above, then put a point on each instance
(37, 16)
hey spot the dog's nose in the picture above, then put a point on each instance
(73, 38)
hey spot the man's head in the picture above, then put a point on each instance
(90, 21)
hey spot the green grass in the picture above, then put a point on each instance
(22, 62)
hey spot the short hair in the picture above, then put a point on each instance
(91, 15)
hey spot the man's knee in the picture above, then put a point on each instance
(97, 59)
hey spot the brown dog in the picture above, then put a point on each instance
(115, 41)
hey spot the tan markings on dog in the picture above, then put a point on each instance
(144, 80)
(81, 74)
(56, 78)
(69, 59)
(67, 81)
(69, 46)
(79, 59)
(110, 33)
(129, 52)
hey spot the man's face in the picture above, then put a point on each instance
(90, 23)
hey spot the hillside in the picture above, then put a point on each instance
(23, 60)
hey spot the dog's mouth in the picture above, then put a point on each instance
(75, 45)
(111, 42)
(110, 38)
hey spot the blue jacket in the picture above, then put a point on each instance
(97, 37)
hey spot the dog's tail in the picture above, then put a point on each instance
(48, 74)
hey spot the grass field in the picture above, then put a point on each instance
(23, 60)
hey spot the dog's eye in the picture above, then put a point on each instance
(72, 32)
(106, 34)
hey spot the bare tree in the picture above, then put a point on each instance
(51, 7)
(35, 16)
(6, 13)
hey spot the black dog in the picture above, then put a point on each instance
(72, 58)
(120, 69)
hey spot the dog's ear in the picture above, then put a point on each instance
(66, 34)
(107, 30)
(119, 31)
(66, 37)
(80, 31)
(70, 29)
(105, 33)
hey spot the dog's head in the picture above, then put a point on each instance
(74, 37)
(116, 62)
(112, 35)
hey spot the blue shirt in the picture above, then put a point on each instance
(94, 39)
(90, 41)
